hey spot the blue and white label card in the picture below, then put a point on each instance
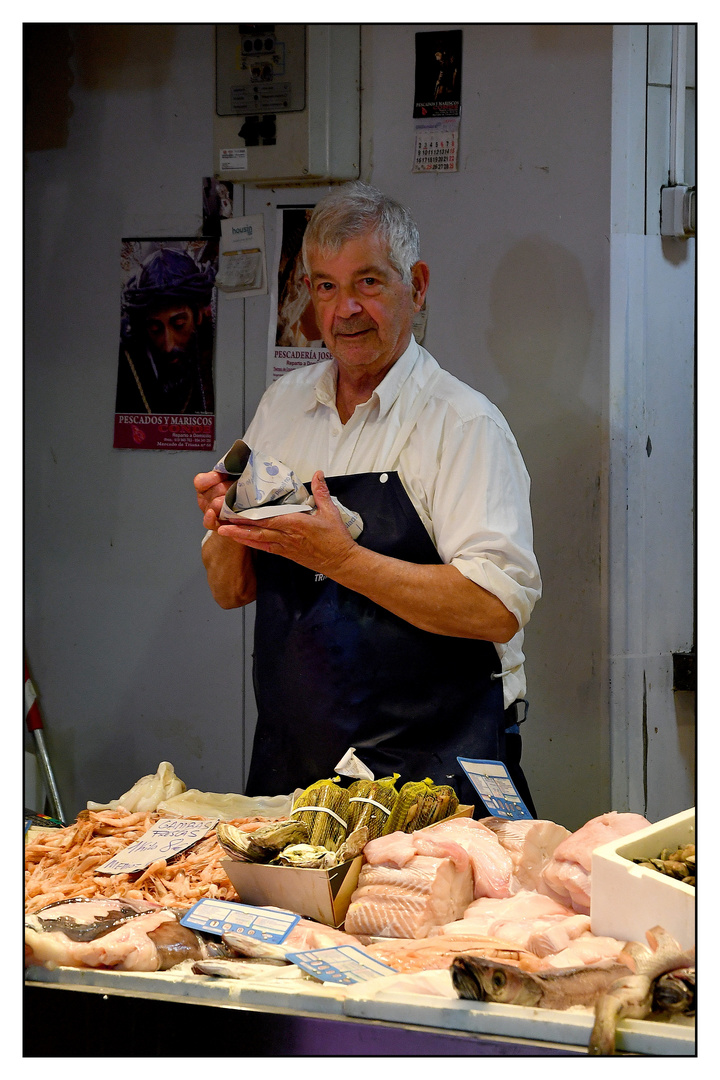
(492, 782)
(223, 917)
(343, 964)
(165, 839)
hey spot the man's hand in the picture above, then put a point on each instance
(211, 489)
(436, 597)
(318, 540)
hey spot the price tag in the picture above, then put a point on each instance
(223, 917)
(343, 964)
(165, 839)
(492, 782)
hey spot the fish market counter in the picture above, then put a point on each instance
(147, 1014)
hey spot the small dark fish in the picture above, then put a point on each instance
(478, 978)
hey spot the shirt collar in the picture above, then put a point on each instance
(387, 391)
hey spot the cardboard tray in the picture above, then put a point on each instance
(323, 895)
(626, 899)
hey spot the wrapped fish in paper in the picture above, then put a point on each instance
(263, 481)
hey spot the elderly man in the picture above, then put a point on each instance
(407, 643)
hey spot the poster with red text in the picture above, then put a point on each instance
(165, 397)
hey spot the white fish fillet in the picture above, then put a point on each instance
(571, 882)
(530, 844)
(521, 921)
(579, 846)
(395, 849)
(559, 935)
(408, 901)
(567, 874)
(587, 949)
(491, 864)
(521, 905)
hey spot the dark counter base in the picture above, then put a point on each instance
(62, 1023)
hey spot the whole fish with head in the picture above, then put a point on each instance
(478, 978)
(632, 995)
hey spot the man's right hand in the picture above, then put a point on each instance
(211, 488)
(229, 567)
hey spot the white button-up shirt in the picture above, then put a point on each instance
(460, 466)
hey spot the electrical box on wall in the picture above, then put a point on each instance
(287, 103)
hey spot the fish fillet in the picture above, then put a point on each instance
(492, 866)
(531, 845)
(568, 872)
(579, 846)
(408, 901)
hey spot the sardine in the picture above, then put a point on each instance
(478, 978)
(632, 995)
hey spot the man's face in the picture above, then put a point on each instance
(170, 331)
(363, 309)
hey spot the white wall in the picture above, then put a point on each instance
(651, 400)
(130, 660)
(518, 250)
(133, 661)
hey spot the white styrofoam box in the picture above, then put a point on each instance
(627, 899)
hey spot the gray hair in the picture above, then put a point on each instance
(354, 209)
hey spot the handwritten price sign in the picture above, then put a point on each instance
(164, 840)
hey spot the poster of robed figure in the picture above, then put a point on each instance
(165, 397)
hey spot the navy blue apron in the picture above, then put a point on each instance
(332, 669)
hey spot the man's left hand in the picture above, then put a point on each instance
(318, 540)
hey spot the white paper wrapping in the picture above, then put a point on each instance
(264, 482)
(351, 765)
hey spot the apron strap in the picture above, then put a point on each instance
(410, 422)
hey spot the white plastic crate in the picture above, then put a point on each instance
(627, 899)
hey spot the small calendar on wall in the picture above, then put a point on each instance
(436, 147)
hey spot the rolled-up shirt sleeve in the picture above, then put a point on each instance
(481, 511)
